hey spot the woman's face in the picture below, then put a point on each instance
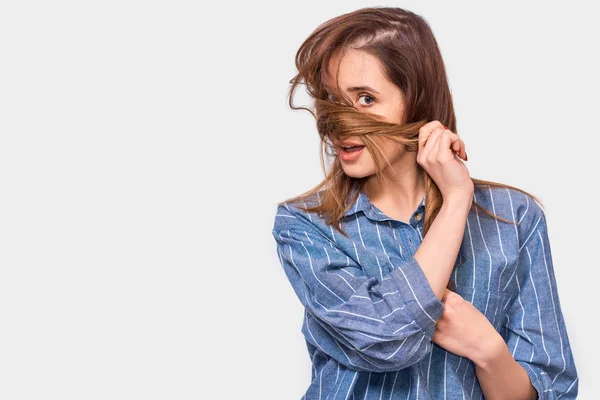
(361, 79)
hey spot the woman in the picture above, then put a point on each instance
(418, 281)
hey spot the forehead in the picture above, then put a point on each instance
(356, 68)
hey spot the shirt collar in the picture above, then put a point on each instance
(364, 204)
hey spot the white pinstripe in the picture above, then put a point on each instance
(349, 278)
(562, 354)
(382, 386)
(486, 247)
(538, 306)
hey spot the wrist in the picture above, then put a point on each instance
(491, 352)
(458, 203)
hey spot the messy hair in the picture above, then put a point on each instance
(410, 57)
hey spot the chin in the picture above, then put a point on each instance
(358, 172)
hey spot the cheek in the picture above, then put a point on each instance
(367, 158)
(392, 114)
(391, 149)
(395, 150)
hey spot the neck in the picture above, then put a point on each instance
(402, 188)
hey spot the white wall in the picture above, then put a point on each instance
(144, 146)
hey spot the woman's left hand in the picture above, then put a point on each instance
(464, 330)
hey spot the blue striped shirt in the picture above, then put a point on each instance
(369, 311)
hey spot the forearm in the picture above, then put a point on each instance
(437, 253)
(500, 376)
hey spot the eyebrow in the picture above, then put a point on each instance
(357, 88)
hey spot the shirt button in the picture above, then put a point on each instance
(418, 217)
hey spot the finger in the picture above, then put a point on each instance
(425, 139)
(427, 145)
(453, 143)
(442, 146)
(428, 151)
(445, 295)
(456, 145)
(426, 130)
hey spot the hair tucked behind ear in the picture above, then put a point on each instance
(408, 52)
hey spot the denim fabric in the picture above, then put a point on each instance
(369, 311)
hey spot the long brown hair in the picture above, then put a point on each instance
(409, 54)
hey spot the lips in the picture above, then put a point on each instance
(352, 148)
(351, 153)
(347, 145)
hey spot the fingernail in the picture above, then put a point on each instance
(466, 156)
(445, 127)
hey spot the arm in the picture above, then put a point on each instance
(466, 332)
(437, 253)
(536, 332)
(500, 376)
(370, 325)
(365, 324)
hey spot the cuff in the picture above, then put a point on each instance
(419, 298)
(539, 379)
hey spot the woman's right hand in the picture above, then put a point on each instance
(437, 146)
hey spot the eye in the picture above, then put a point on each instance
(367, 96)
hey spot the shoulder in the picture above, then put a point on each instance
(510, 201)
(511, 204)
(291, 215)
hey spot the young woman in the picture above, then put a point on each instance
(418, 281)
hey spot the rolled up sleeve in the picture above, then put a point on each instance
(537, 335)
(370, 324)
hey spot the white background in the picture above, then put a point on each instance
(143, 149)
